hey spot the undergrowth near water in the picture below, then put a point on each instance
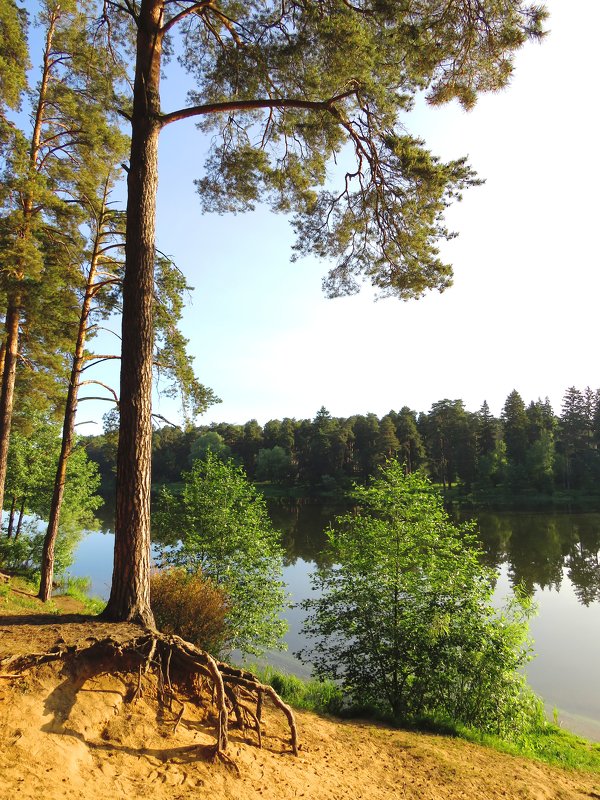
(78, 589)
(322, 697)
(19, 595)
(548, 743)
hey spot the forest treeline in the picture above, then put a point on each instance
(527, 449)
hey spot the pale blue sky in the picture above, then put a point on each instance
(523, 311)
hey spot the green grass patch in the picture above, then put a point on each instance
(78, 589)
(322, 697)
(19, 595)
(549, 744)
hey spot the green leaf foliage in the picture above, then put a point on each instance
(404, 616)
(219, 526)
(32, 461)
(32, 466)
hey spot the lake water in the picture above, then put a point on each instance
(554, 556)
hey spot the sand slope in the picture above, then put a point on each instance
(64, 738)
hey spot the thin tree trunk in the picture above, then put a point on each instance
(7, 392)
(11, 519)
(130, 590)
(68, 432)
(21, 515)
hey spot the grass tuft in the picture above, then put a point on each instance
(322, 697)
(78, 589)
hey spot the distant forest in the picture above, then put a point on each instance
(528, 450)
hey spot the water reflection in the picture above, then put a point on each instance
(538, 549)
(541, 549)
(303, 526)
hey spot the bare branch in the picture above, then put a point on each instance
(165, 420)
(102, 328)
(104, 399)
(104, 386)
(95, 360)
(256, 105)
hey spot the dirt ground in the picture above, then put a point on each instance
(65, 737)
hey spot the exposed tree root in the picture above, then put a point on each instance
(176, 663)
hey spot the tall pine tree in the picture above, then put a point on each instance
(286, 87)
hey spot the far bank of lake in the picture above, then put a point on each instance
(555, 556)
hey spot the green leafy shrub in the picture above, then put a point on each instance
(23, 554)
(191, 606)
(404, 617)
(219, 525)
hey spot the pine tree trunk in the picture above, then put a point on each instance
(68, 432)
(130, 591)
(7, 392)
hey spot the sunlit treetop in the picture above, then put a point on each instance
(287, 86)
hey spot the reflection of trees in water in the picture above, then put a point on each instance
(537, 547)
(535, 553)
(583, 562)
(106, 514)
(303, 523)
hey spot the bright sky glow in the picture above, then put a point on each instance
(523, 311)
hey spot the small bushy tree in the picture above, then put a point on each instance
(219, 525)
(404, 615)
(273, 464)
(190, 605)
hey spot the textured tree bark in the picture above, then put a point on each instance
(130, 591)
(11, 518)
(2, 357)
(21, 516)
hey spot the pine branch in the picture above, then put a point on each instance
(257, 105)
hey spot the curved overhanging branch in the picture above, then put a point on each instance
(257, 105)
(193, 9)
(95, 360)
